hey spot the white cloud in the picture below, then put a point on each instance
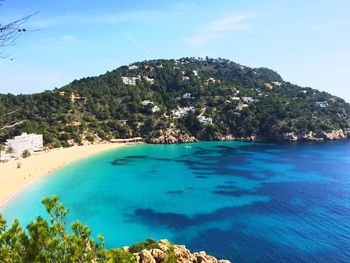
(68, 38)
(136, 42)
(218, 28)
(229, 23)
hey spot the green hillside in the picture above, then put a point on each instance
(204, 99)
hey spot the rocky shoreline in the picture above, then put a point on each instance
(164, 251)
(172, 136)
(318, 136)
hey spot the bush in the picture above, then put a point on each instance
(26, 154)
(49, 241)
(170, 257)
(149, 243)
(65, 144)
(120, 256)
(90, 138)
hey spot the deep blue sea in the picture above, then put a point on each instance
(248, 202)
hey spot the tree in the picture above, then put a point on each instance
(191, 123)
(9, 32)
(49, 241)
(10, 151)
(2, 147)
(90, 138)
(26, 154)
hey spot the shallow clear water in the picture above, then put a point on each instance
(248, 202)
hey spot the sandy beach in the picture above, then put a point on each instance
(13, 180)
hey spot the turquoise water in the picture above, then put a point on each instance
(248, 202)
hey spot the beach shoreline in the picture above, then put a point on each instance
(14, 180)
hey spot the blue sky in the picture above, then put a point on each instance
(307, 42)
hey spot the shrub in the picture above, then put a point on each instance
(90, 138)
(170, 257)
(149, 243)
(120, 256)
(26, 154)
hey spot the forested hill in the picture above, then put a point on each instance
(174, 101)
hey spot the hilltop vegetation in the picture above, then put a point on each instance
(204, 99)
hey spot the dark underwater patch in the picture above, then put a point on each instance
(162, 159)
(127, 160)
(235, 193)
(203, 173)
(169, 220)
(136, 157)
(230, 182)
(248, 174)
(224, 147)
(232, 190)
(226, 187)
(119, 162)
(201, 176)
(175, 192)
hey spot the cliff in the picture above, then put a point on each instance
(318, 136)
(164, 251)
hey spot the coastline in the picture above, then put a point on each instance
(14, 180)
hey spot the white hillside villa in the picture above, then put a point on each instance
(30, 142)
(205, 120)
(181, 112)
(130, 80)
(322, 104)
(248, 99)
(146, 102)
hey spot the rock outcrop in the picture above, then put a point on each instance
(170, 136)
(165, 250)
(173, 135)
(317, 136)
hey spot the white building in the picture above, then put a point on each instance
(322, 104)
(133, 67)
(181, 112)
(155, 109)
(277, 83)
(130, 80)
(30, 142)
(146, 102)
(187, 96)
(149, 80)
(185, 78)
(241, 106)
(248, 99)
(205, 120)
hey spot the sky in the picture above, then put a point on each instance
(306, 42)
